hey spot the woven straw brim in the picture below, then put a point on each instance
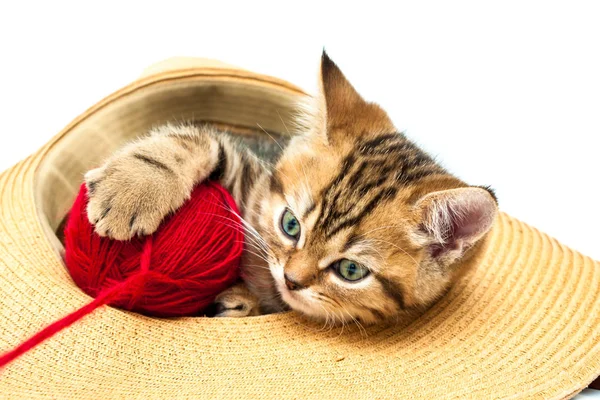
(523, 323)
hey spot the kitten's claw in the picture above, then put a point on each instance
(237, 301)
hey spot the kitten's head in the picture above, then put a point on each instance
(362, 223)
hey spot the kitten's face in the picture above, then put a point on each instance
(335, 275)
(361, 224)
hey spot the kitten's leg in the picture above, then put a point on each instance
(152, 177)
(237, 301)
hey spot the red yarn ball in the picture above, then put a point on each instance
(179, 270)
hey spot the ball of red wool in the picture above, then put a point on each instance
(178, 271)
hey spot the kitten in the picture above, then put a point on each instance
(353, 222)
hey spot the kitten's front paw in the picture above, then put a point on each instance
(128, 197)
(237, 301)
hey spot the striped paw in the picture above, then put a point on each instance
(131, 195)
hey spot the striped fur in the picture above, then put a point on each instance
(359, 189)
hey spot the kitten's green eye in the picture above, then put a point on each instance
(290, 225)
(350, 270)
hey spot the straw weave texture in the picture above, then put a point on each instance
(523, 323)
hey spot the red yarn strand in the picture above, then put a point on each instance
(59, 325)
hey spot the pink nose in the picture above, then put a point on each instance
(291, 284)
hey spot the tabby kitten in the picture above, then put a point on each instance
(354, 222)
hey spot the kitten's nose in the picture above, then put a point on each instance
(291, 284)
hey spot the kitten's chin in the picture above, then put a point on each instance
(300, 303)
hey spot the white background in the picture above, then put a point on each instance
(505, 94)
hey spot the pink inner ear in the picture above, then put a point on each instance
(460, 217)
(471, 222)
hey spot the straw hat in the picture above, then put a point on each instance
(522, 324)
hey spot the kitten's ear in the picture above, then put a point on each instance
(453, 220)
(345, 108)
(338, 93)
